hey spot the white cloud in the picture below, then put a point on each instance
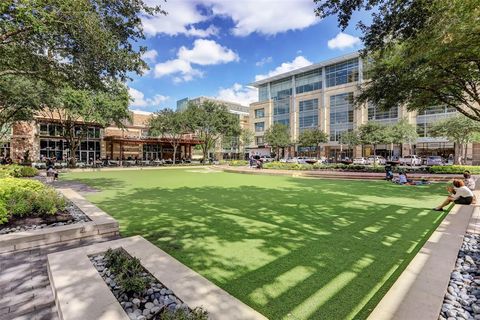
(150, 55)
(204, 52)
(238, 93)
(266, 16)
(263, 61)
(181, 18)
(343, 41)
(298, 62)
(139, 100)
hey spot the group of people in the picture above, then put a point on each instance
(461, 192)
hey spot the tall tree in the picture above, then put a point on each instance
(211, 121)
(246, 138)
(313, 138)
(420, 53)
(351, 139)
(372, 133)
(76, 111)
(170, 124)
(278, 136)
(81, 44)
(459, 129)
(403, 133)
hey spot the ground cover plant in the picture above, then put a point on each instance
(291, 248)
(21, 198)
(17, 171)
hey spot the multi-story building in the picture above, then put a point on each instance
(43, 138)
(321, 96)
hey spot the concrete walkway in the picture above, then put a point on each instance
(25, 292)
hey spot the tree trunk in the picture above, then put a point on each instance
(465, 154)
(175, 146)
(318, 151)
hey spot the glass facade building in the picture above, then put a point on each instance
(341, 115)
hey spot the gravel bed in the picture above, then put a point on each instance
(462, 300)
(149, 305)
(76, 214)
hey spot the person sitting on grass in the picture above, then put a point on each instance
(468, 180)
(459, 194)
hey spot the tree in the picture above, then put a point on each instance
(459, 129)
(418, 53)
(77, 110)
(80, 44)
(313, 138)
(402, 132)
(169, 124)
(372, 133)
(350, 138)
(278, 136)
(246, 138)
(211, 121)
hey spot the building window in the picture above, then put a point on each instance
(259, 126)
(259, 141)
(341, 73)
(375, 114)
(308, 81)
(5, 149)
(284, 121)
(263, 93)
(429, 116)
(281, 89)
(308, 114)
(341, 114)
(259, 113)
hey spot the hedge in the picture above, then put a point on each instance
(17, 171)
(22, 197)
(455, 169)
(340, 167)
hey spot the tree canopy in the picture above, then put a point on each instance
(169, 124)
(278, 136)
(313, 138)
(211, 121)
(418, 53)
(372, 133)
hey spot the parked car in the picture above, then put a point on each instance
(376, 160)
(360, 160)
(300, 160)
(266, 158)
(411, 160)
(434, 161)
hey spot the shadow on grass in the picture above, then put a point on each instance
(314, 249)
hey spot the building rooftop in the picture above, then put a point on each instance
(314, 66)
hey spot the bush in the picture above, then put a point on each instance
(16, 171)
(128, 270)
(237, 163)
(22, 197)
(454, 169)
(196, 314)
(3, 213)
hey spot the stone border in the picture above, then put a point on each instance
(81, 293)
(100, 225)
(419, 291)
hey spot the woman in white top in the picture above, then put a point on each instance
(460, 194)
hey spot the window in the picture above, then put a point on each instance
(5, 149)
(281, 89)
(341, 114)
(259, 126)
(259, 113)
(308, 114)
(259, 141)
(341, 73)
(375, 114)
(308, 81)
(285, 121)
(263, 93)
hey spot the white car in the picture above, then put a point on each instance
(376, 160)
(412, 160)
(360, 160)
(266, 158)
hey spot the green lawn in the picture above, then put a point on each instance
(291, 248)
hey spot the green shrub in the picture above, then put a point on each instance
(237, 163)
(196, 314)
(17, 171)
(128, 270)
(3, 213)
(454, 169)
(22, 197)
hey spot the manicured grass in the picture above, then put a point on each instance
(292, 248)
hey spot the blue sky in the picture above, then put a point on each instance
(216, 48)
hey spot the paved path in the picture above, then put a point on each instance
(25, 292)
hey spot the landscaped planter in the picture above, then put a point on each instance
(81, 292)
(93, 224)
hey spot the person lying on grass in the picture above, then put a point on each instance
(459, 194)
